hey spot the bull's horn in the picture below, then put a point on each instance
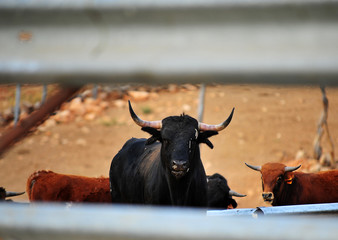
(13, 194)
(256, 168)
(291, 169)
(142, 123)
(219, 127)
(235, 194)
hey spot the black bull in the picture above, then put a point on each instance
(165, 169)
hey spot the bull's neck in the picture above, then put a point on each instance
(289, 194)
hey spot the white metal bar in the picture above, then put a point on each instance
(200, 111)
(318, 209)
(48, 221)
(281, 41)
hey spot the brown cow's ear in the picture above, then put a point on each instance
(289, 176)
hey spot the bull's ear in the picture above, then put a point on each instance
(232, 204)
(155, 135)
(203, 138)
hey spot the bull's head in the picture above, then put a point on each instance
(179, 136)
(219, 193)
(275, 178)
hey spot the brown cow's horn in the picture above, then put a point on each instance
(142, 123)
(13, 194)
(235, 194)
(219, 127)
(256, 168)
(291, 169)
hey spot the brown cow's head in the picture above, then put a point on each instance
(275, 177)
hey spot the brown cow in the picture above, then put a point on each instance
(282, 186)
(50, 186)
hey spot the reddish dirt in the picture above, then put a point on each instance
(270, 123)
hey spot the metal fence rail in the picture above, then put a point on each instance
(313, 209)
(48, 221)
(169, 41)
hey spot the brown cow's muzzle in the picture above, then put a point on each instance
(268, 196)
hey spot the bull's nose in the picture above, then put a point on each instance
(179, 165)
(267, 196)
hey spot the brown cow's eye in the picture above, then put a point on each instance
(279, 179)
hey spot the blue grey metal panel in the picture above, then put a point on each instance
(50, 221)
(318, 209)
(169, 41)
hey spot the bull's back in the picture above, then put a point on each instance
(50, 186)
(326, 186)
(319, 187)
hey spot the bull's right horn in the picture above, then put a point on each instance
(142, 123)
(219, 127)
(256, 168)
(13, 194)
(291, 169)
(235, 194)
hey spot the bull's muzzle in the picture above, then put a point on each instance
(268, 196)
(179, 168)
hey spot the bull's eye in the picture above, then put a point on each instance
(279, 179)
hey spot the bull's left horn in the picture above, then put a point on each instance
(219, 127)
(291, 169)
(13, 194)
(235, 194)
(142, 123)
(256, 168)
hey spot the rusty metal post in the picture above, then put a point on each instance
(25, 126)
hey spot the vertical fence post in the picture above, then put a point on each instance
(95, 90)
(17, 104)
(44, 94)
(201, 103)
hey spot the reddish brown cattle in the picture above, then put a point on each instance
(55, 187)
(283, 186)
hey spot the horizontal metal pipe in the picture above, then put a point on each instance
(318, 209)
(226, 41)
(51, 221)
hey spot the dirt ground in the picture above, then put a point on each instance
(270, 123)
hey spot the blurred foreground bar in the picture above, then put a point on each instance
(50, 221)
(160, 41)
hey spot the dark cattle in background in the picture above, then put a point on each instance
(219, 193)
(283, 186)
(5, 194)
(165, 169)
(54, 187)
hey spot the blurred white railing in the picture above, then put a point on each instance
(257, 41)
(50, 221)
